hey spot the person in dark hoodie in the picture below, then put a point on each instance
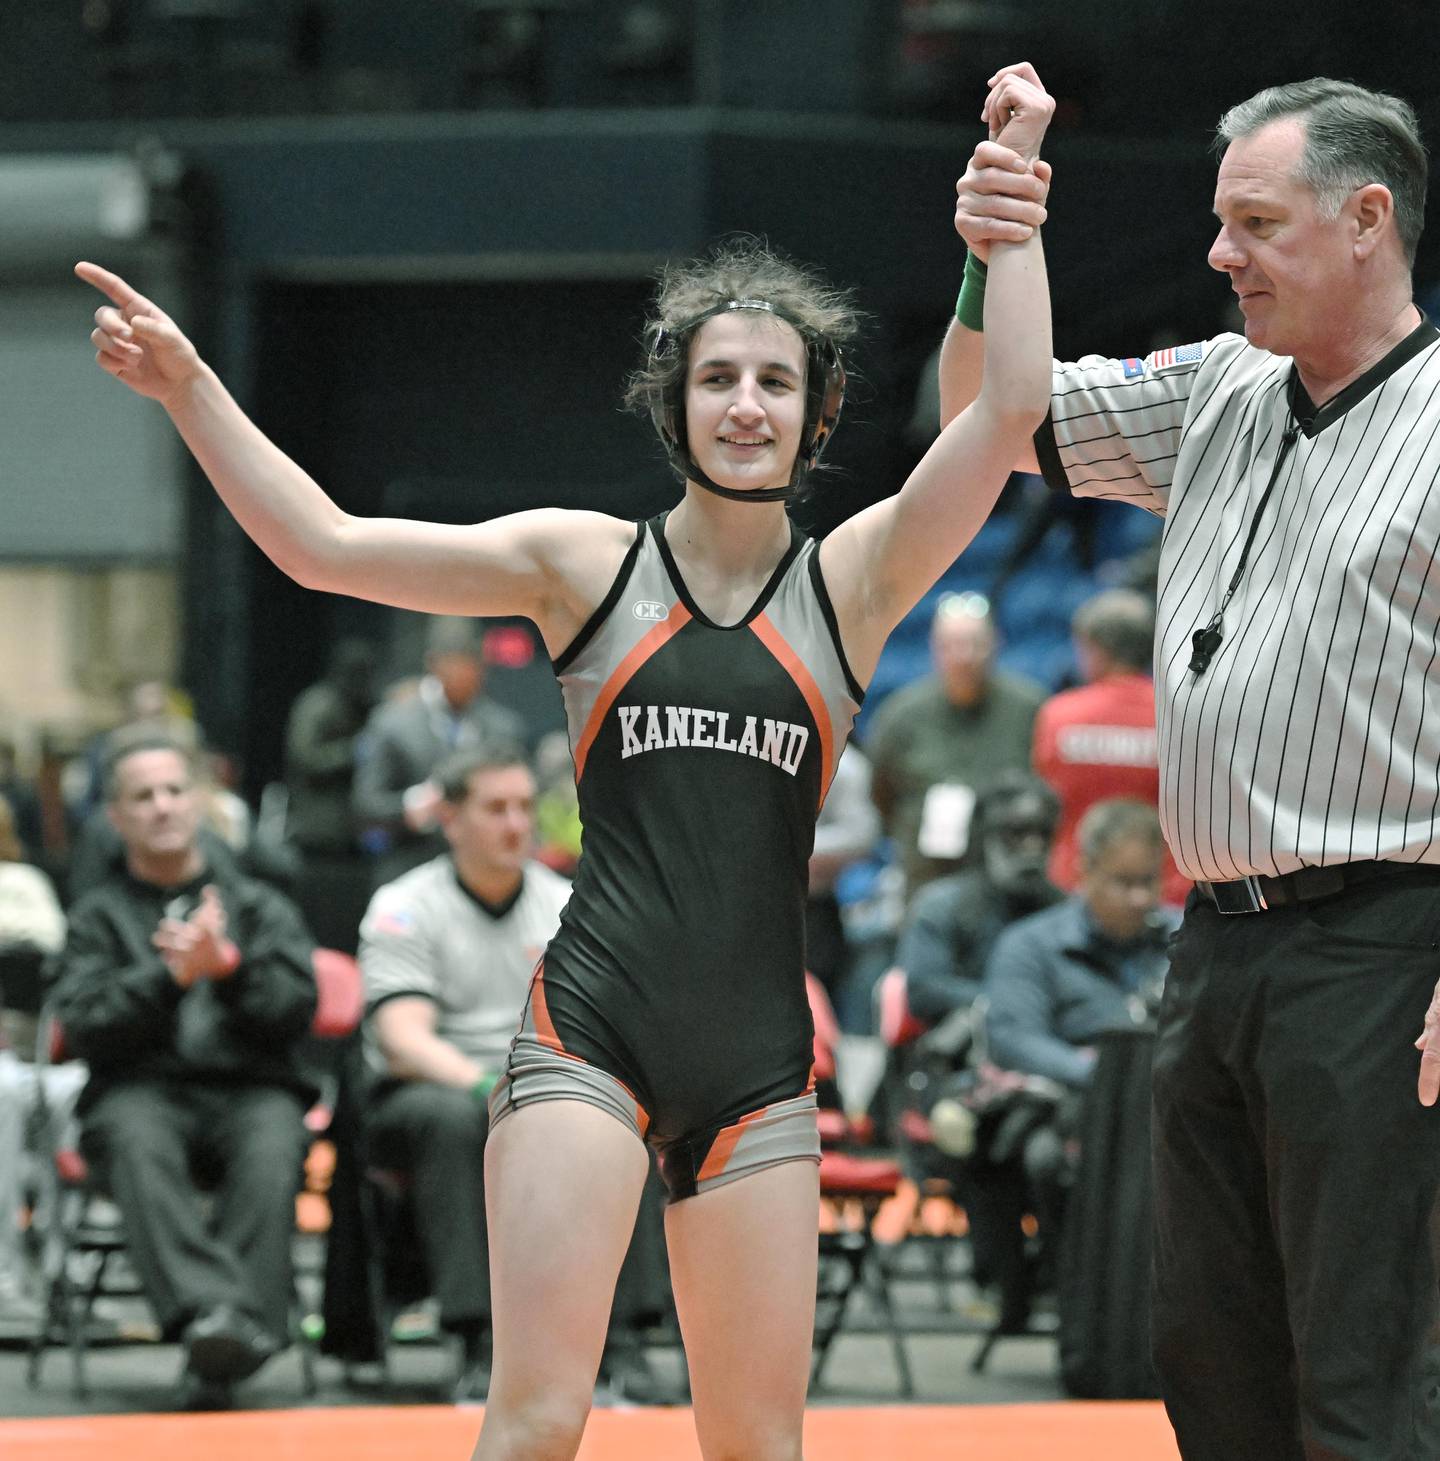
(188, 988)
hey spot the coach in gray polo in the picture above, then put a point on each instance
(448, 951)
(1297, 672)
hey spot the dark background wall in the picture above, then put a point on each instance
(428, 282)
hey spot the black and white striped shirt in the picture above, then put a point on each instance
(1314, 736)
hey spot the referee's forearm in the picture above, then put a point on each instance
(962, 367)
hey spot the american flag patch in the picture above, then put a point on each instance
(1132, 367)
(394, 920)
(1176, 355)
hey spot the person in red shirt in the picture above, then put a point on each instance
(1097, 741)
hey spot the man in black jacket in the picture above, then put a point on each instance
(187, 989)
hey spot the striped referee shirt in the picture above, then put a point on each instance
(1314, 735)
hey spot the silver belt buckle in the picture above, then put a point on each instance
(1243, 895)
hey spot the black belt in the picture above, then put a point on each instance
(1259, 892)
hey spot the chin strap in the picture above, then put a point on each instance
(735, 494)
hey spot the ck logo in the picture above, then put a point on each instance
(649, 610)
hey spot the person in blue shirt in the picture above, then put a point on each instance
(1093, 963)
(1056, 981)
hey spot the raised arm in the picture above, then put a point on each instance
(881, 562)
(995, 202)
(549, 565)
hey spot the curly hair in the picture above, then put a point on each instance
(736, 268)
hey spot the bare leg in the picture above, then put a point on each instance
(743, 1260)
(562, 1183)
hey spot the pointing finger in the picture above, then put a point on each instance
(112, 286)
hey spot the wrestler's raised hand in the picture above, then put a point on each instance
(137, 342)
(1018, 109)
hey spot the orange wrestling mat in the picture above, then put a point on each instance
(1076, 1430)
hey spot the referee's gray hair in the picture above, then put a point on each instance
(1120, 819)
(1353, 137)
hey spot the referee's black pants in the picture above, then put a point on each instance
(437, 1134)
(1296, 1179)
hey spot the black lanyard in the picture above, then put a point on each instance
(1206, 641)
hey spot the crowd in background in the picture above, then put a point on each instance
(993, 847)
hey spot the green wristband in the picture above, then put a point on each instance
(970, 306)
(482, 1088)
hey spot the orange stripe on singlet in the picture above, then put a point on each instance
(724, 1147)
(794, 666)
(540, 1012)
(547, 1035)
(677, 619)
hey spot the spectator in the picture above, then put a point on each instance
(1093, 963)
(954, 922)
(187, 988)
(1054, 981)
(448, 951)
(23, 797)
(320, 740)
(1097, 742)
(557, 805)
(228, 837)
(937, 743)
(949, 933)
(396, 800)
(152, 708)
(846, 831)
(32, 928)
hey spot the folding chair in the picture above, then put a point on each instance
(936, 1221)
(853, 1189)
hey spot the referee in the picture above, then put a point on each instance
(448, 950)
(1297, 674)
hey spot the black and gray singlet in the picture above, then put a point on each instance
(702, 755)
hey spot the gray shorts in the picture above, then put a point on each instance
(691, 1164)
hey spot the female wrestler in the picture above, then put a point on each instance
(711, 662)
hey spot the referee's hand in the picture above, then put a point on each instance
(1429, 1047)
(1000, 198)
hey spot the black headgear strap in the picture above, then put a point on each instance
(824, 396)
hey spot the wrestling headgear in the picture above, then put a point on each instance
(824, 395)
